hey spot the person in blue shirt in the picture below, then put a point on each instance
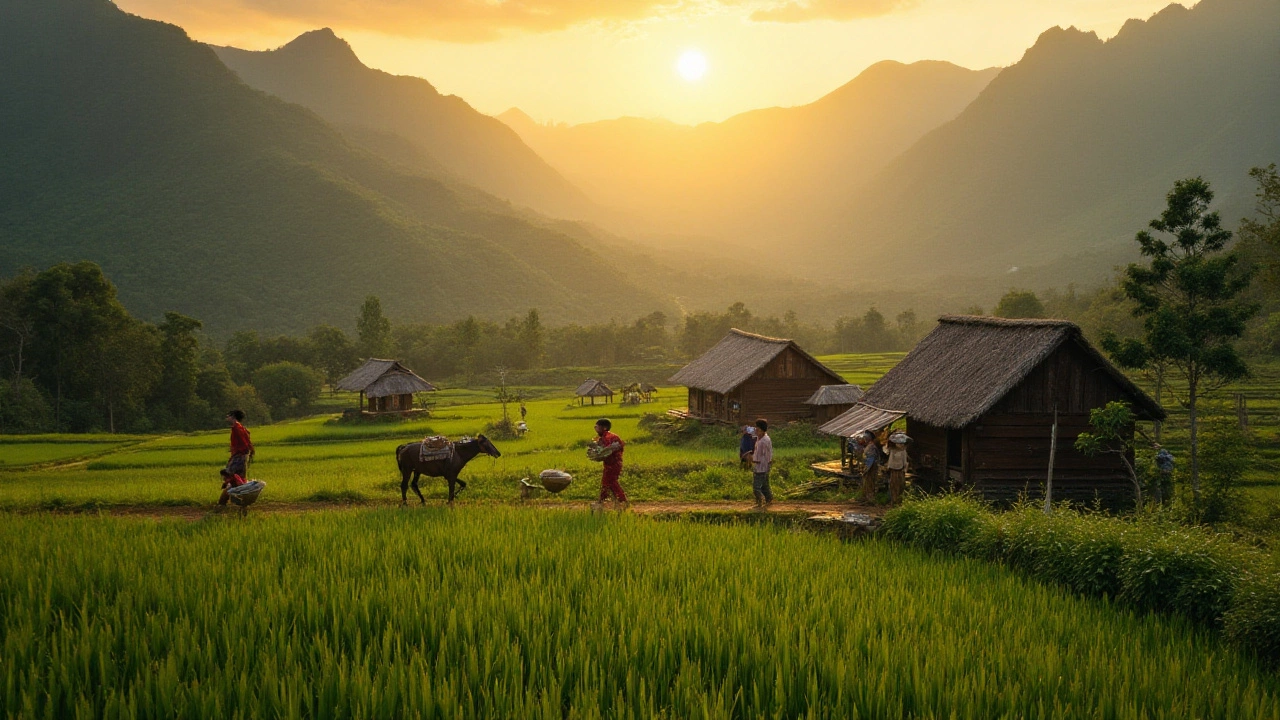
(746, 445)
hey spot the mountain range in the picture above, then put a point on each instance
(125, 142)
(761, 174)
(1069, 152)
(406, 120)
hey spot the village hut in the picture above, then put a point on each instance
(982, 397)
(832, 401)
(748, 376)
(593, 389)
(387, 384)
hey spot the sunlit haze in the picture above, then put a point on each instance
(579, 61)
(692, 65)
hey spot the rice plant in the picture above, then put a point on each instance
(508, 613)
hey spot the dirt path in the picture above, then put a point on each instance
(200, 512)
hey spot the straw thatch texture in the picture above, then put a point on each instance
(735, 359)
(593, 388)
(377, 375)
(859, 418)
(398, 383)
(967, 364)
(836, 395)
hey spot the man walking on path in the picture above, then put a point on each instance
(241, 446)
(608, 442)
(761, 462)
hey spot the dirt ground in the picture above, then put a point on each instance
(200, 512)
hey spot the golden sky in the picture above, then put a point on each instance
(583, 60)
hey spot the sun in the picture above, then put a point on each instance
(692, 65)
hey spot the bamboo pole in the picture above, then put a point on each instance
(1053, 452)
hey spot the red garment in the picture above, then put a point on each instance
(615, 459)
(240, 444)
(233, 481)
(609, 484)
(612, 469)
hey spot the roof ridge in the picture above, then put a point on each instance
(756, 336)
(1005, 322)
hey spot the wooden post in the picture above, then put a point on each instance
(1053, 451)
(1242, 412)
(361, 401)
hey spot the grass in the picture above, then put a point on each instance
(509, 613)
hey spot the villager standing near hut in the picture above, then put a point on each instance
(897, 466)
(241, 446)
(609, 451)
(762, 462)
(870, 466)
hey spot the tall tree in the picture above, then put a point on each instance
(374, 329)
(1189, 300)
(175, 391)
(532, 339)
(16, 327)
(1019, 304)
(332, 352)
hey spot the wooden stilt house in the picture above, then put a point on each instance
(388, 385)
(747, 376)
(981, 397)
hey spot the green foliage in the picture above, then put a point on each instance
(332, 353)
(374, 329)
(1189, 300)
(288, 388)
(389, 613)
(1227, 454)
(1019, 304)
(1112, 434)
(23, 409)
(1148, 565)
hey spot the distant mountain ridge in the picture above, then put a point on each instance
(761, 173)
(1070, 151)
(320, 71)
(124, 142)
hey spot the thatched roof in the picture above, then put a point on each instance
(969, 363)
(380, 378)
(593, 388)
(735, 359)
(836, 395)
(859, 418)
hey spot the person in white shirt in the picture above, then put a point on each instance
(761, 462)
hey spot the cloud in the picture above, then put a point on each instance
(481, 20)
(806, 10)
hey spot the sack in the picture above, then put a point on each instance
(246, 494)
(597, 453)
(435, 447)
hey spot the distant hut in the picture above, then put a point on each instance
(981, 396)
(747, 376)
(387, 384)
(831, 401)
(593, 389)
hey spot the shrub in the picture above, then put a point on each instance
(1254, 619)
(944, 524)
(288, 388)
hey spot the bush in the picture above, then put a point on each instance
(1147, 564)
(288, 388)
(23, 409)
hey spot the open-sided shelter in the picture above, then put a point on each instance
(981, 397)
(832, 401)
(387, 384)
(593, 389)
(748, 376)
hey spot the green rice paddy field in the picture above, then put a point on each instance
(501, 612)
(497, 611)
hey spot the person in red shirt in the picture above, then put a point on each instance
(241, 446)
(229, 480)
(612, 464)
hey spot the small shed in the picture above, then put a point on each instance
(831, 401)
(981, 396)
(593, 389)
(748, 376)
(388, 385)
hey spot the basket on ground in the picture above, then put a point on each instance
(555, 480)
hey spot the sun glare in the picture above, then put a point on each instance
(692, 65)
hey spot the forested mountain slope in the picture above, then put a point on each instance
(319, 70)
(124, 142)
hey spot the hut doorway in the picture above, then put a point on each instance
(955, 450)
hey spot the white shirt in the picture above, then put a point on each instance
(762, 456)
